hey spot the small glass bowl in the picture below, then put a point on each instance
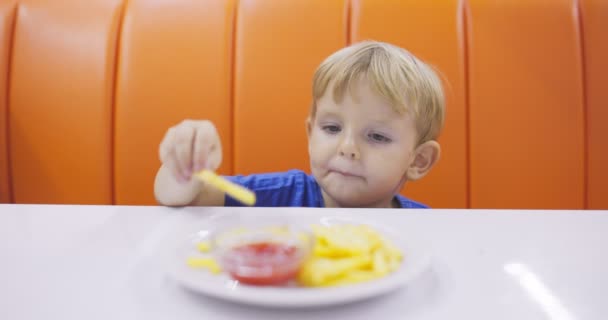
(262, 254)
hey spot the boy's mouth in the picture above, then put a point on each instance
(344, 173)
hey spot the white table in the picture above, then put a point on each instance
(97, 262)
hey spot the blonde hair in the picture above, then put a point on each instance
(406, 82)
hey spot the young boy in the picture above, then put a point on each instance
(376, 114)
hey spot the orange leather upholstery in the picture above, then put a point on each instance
(174, 63)
(7, 14)
(61, 91)
(88, 89)
(594, 15)
(526, 104)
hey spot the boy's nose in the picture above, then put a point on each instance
(352, 155)
(349, 149)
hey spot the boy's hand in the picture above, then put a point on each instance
(189, 147)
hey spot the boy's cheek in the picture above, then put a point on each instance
(386, 165)
(318, 147)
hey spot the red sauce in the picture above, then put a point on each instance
(263, 263)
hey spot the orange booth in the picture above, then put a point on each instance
(89, 87)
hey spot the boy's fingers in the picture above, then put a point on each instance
(201, 149)
(172, 165)
(208, 154)
(205, 145)
(184, 139)
(165, 147)
(215, 157)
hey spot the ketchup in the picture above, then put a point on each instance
(263, 263)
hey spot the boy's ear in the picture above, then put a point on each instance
(308, 131)
(425, 157)
(308, 126)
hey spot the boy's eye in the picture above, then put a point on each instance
(333, 129)
(376, 137)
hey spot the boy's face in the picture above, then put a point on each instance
(360, 149)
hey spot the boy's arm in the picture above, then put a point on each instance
(187, 147)
(169, 192)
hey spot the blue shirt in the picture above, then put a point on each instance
(293, 188)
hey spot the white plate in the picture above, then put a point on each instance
(181, 245)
